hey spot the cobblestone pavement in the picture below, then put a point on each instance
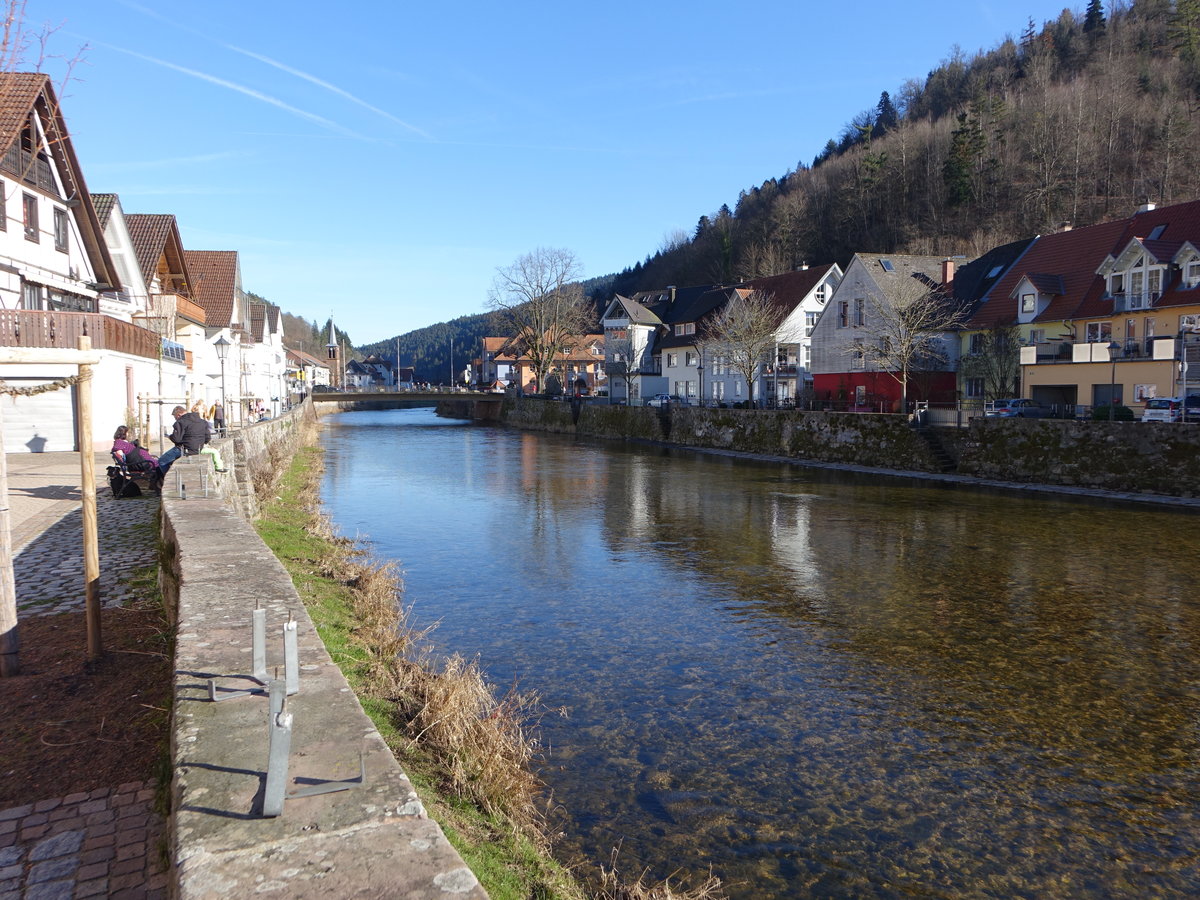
(107, 842)
(49, 571)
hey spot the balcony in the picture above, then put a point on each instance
(1150, 348)
(1132, 302)
(42, 328)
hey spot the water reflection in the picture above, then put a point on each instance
(820, 684)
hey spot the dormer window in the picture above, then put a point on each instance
(1028, 303)
(1191, 274)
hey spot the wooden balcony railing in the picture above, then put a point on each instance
(42, 328)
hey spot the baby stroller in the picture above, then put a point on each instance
(128, 470)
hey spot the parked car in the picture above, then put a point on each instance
(1171, 409)
(1017, 408)
(661, 400)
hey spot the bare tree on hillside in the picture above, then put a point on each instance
(744, 333)
(542, 302)
(904, 330)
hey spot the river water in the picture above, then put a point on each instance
(818, 684)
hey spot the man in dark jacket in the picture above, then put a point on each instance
(190, 433)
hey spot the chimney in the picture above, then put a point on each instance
(1064, 226)
(1147, 205)
(947, 272)
(671, 288)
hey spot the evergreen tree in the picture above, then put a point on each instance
(1094, 21)
(886, 117)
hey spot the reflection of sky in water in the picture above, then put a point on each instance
(822, 685)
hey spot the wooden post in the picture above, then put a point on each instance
(91, 543)
(10, 662)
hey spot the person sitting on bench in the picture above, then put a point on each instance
(190, 434)
(135, 457)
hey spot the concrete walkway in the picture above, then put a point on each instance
(104, 842)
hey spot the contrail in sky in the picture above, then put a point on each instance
(249, 92)
(329, 87)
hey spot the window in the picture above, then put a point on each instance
(737, 389)
(1099, 331)
(974, 387)
(29, 205)
(806, 356)
(858, 360)
(672, 360)
(843, 314)
(689, 359)
(810, 323)
(60, 230)
(1116, 283)
(617, 334)
(31, 296)
(858, 311)
(1028, 303)
(1037, 336)
(1192, 278)
(1156, 233)
(685, 328)
(976, 344)
(1189, 323)
(860, 394)
(887, 265)
(1154, 283)
(718, 390)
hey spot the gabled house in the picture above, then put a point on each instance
(217, 288)
(264, 359)
(800, 298)
(58, 279)
(635, 329)
(1112, 310)
(133, 302)
(853, 339)
(505, 360)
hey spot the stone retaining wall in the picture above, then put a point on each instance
(1131, 457)
(867, 440)
(373, 840)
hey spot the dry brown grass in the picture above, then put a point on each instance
(613, 886)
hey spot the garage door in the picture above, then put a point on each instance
(42, 423)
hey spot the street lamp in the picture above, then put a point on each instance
(221, 345)
(1113, 347)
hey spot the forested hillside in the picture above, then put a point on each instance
(1078, 121)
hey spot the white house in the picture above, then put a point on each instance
(59, 279)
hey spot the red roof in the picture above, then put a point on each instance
(214, 283)
(1065, 265)
(1065, 262)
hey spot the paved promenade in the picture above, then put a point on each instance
(102, 843)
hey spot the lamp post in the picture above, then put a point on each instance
(221, 345)
(1113, 347)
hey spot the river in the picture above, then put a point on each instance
(819, 684)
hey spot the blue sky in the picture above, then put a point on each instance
(379, 160)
